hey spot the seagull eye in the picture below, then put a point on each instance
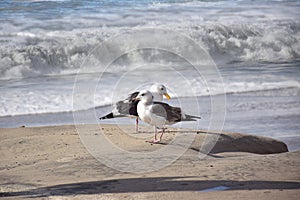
(162, 88)
(142, 94)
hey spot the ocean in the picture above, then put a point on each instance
(51, 61)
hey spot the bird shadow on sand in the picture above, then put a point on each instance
(157, 184)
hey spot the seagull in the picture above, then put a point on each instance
(128, 106)
(159, 114)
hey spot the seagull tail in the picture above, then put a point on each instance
(110, 115)
(191, 117)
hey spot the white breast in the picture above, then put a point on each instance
(144, 112)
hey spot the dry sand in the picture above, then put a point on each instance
(52, 163)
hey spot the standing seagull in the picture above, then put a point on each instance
(128, 107)
(159, 114)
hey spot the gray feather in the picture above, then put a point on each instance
(172, 114)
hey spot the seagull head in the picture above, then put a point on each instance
(145, 96)
(160, 89)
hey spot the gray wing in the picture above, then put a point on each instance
(124, 108)
(172, 114)
(127, 108)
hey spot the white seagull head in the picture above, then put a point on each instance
(160, 89)
(145, 96)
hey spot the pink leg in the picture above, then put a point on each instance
(163, 131)
(137, 125)
(155, 137)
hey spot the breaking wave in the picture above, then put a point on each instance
(33, 47)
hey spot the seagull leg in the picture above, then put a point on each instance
(155, 137)
(137, 125)
(162, 133)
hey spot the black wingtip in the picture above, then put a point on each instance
(109, 116)
(192, 117)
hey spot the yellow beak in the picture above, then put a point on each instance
(167, 96)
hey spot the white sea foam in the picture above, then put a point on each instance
(51, 54)
(55, 94)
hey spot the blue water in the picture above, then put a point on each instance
(255, 45)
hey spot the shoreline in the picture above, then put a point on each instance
(66, 119)
(51, 162)
(275, 114)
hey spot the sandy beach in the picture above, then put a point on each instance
(64, 65)
(52, 163)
